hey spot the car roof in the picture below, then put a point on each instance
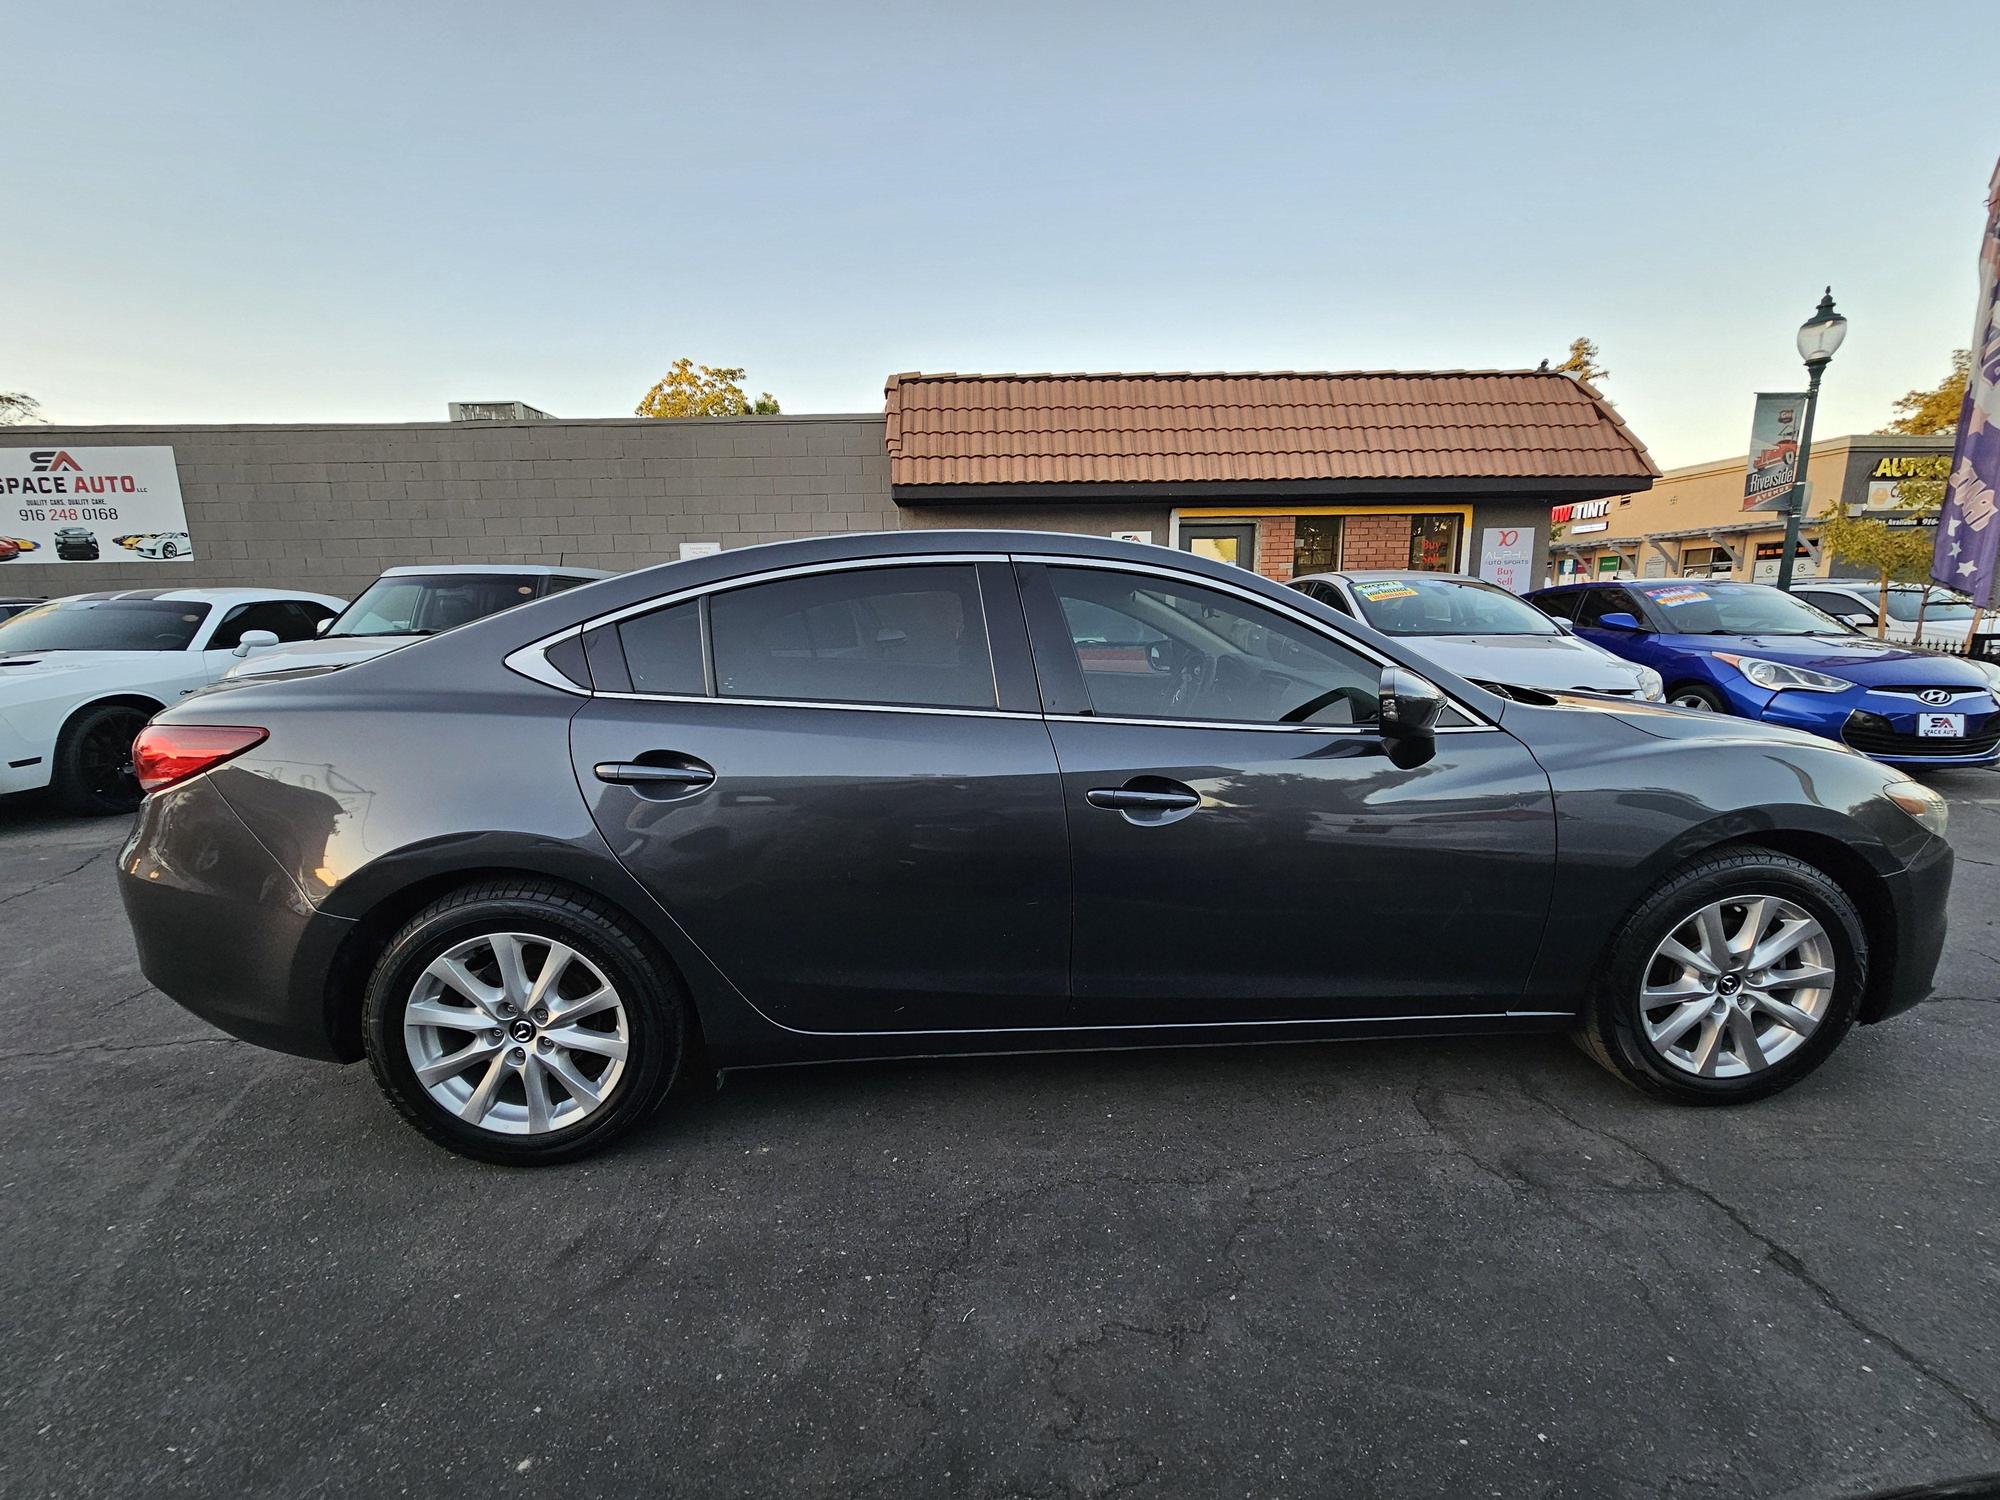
(198, 596)
(511, 570)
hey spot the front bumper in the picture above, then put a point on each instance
(1903, 965)
(221, 929)
(1881, 724)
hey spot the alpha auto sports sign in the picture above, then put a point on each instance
(91, 505)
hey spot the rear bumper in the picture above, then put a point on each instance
(1905, 969)
(221, 929)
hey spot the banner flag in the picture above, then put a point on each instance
(1968, 539)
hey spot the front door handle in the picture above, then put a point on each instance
(669, 780)
(1147, 801)
(1138, 800)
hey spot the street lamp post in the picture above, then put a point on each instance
(1819, 338)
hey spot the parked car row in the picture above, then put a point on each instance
(79, 676)
(937, 792)
(1759, 653)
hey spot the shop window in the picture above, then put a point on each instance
(1434, 543)
(1316, 545)
(1705, 562)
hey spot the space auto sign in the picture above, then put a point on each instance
(119, 505)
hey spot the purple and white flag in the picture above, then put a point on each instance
(1968, 542)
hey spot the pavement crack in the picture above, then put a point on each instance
(42, 885)
(77, 1051)
(1787, 1261)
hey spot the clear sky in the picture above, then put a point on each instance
(292, 212)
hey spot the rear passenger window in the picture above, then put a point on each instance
(663, 650)
(909, 635)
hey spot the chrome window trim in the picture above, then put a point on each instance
(530, 662)
(864, 708)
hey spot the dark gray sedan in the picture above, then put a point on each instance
(935, 792)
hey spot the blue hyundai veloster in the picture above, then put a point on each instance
(1753, 650)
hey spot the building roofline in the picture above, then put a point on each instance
(42, 431)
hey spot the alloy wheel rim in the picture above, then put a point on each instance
(516, 1033)
(104, 758)
(1689, 700)
(1737, 986)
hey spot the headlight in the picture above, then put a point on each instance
(1920, 802)
(1652, 686)
(1775, 675)
(1991, 669)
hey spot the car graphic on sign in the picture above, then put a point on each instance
(1780, 453)
(76, 544)
(167, 544)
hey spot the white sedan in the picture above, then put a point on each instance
(80, 676)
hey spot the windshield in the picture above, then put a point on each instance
(424, 604)
(1699, 608)
(1446, 606)
(104, 625)
(1944, 605)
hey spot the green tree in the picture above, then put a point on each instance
(692, 390)
(1582, 363)
(1895, 554)
(1929, 413)
(17, 407)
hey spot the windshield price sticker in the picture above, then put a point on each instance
(1675, 596)
(1385, 590)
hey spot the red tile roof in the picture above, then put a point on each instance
(1180, 428)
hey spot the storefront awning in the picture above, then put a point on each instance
(957, 437)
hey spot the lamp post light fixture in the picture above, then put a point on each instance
(1819, 339)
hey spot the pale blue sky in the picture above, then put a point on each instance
(283, 212)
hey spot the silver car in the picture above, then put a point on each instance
(1481, 632)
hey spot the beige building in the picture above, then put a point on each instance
(1692, 521)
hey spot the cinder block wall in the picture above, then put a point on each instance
(329, 507)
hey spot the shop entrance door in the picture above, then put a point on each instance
(1231, 542)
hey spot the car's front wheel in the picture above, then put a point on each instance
(1694, 695)
(522, 1023)
(1734, 979)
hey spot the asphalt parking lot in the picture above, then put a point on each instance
(1467, 1268)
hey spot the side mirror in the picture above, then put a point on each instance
(255, 640)
(321, 627)
(1619, 619)
(1408, 707)
(1563, 627)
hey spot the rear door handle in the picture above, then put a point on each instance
(659, 778)
(1134, 799)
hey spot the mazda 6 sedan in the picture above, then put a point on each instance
(948, 792)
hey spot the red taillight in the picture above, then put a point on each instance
(166, 753)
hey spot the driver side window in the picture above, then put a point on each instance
(1153, 649)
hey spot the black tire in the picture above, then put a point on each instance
(1697, 696)
(1611, 1027)
(656, 1014)
(168, 549)
(92, 774)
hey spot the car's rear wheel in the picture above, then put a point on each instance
(1694, 695)
(93, 760)
(1734, 979)
(522, 1023)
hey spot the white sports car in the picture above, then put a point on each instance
(80, 676)
(168, 544)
